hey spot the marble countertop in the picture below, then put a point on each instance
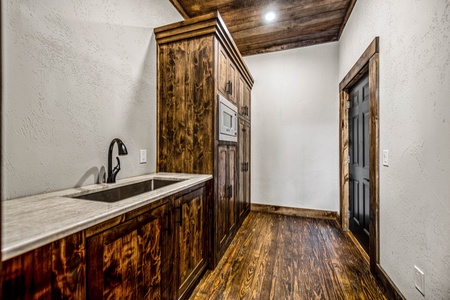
(31, 222)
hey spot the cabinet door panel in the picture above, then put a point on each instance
(232, 90)
(69, 267)
(240, 202)
(130, 256)
(28, 276)
(247, 151)
(223, 71)
(191, 253)
(222, 199)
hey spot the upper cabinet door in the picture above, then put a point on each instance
(247, 100)
(223, 71)
(228, 76)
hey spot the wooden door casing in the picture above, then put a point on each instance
(359, 171)
(130, 260)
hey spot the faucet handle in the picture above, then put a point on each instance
(117, 168)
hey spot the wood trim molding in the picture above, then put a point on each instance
(360, 66)
(387, 285)
(294, 211)
(212, 24)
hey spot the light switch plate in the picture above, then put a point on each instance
(419, 280)
(385, 158)
(143, 156)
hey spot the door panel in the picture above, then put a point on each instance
(222, 224)
(359, 145)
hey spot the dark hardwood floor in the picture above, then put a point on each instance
(282, 257)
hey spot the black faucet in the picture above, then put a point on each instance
(112, 173)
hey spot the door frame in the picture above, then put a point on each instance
(367, 63)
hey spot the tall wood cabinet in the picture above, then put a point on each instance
(197, 61)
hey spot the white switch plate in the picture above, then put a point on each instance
(385, 158)
(143, 156)
(419, 280)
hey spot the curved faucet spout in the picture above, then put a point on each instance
(112, 173)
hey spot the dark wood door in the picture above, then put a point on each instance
(190, 239)
(358, 119)
(243, 196)
(226, 188)
(130, 260)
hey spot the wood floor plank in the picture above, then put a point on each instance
(287, 257)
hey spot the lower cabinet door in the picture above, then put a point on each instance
(190, 238)
(129, 261)
(53, 271)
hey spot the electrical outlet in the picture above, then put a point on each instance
(419, 280)
(143, 156)
(385, 158)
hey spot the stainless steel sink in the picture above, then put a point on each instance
(127, 191)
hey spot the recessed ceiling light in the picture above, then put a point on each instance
(270, 16)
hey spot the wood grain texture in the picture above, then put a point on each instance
(221, 72)
(191, 232)
(53, 271)
(374, 251)
(28, 276)
(207, 25)
(285, 257)
(253, 35)
(69, 267)
(343, 162)
(186, 107)
(360, 66)
(126, 261)
(295, 211)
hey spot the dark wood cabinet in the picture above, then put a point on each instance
(243, 99)
(243, 204)
(131, 260)
(191, 252)
(197, 61)
(157, 251)
(53, 271)
(226, 219)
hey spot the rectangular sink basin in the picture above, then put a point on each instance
(127, 191)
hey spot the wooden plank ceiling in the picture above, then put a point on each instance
(298, 23)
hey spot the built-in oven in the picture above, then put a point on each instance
(227, 120)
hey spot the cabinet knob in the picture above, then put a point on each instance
(229, 87)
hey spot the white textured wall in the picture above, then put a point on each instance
(76, 75)
(295, 157)
(415, 128)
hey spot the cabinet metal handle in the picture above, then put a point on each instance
(229, 87)
(180, 221)
(246, 166)
(230, 191)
